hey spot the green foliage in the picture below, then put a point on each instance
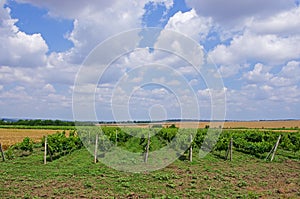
(38, 122)
(59, 144)
(26, 145)
(222, 144)
(291, 142)
(168, 134)
(9, 153)
(172, 126)
(250, 141)
(37, 127)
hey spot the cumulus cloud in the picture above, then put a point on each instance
(95, 21)
(261, 52)
(285, 23)
(249, 47)
(190, 24)
(282, 86)
(18, 48)
(232, 12)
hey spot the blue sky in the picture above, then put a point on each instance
(252, 44)
(35, 20)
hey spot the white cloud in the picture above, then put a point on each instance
(263, 38)
(232, 12)
(269, 49)
(49, 88)
(18, 48)
(10, 75)
(228, 71)
(258, 74)
(284, 23)
(262, 84)
(190, 24)
(95, 21)
(291, 70)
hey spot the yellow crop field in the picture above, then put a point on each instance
(246, 124)
(9, 137)
(229, 124)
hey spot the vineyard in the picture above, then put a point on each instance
(249, 141)
(71, 171)
(254, 142)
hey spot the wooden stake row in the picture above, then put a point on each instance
(228, 152)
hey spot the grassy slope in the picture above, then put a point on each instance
(75, 176)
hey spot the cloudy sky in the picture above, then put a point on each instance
(254, 45)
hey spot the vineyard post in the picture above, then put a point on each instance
(191, 148)
(2, 154)
(275, 148)
(147, 147)
(45, 151)
(96, 149)
(231, 144)
(227, 152)
(116, 137)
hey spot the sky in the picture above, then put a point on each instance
(253, 47)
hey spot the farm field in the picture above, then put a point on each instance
(70, 171)
(10, 136)
(76, 176)
(280, 124)
(259, 124)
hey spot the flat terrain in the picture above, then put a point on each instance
(12, 136)
(238, 124)
(258, 124)
(76, 176)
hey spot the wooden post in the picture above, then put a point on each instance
(228, 151)
(45, 151)
(96, 149)
(270, 153)
(231, 144)
(275, 147)
(147, 148)
(273, 150)
(2, 154)
(116, 137)
(191, 149)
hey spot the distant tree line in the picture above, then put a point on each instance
(38, 122)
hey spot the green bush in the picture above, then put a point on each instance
(9, 153)
(26, 145)
(59, 144)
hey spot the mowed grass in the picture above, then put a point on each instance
(76, 176)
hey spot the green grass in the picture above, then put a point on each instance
(37, 127)
(75, 176)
